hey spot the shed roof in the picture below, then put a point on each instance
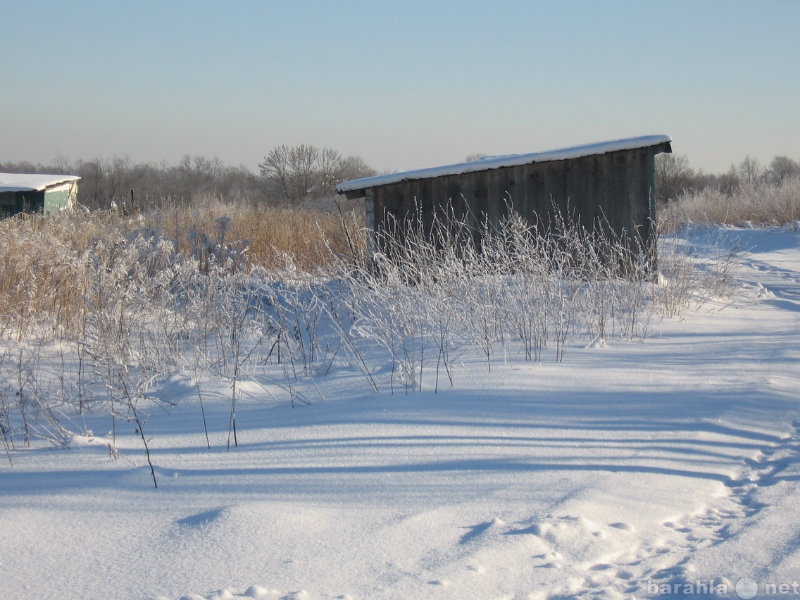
(510, 160)
(30, 182)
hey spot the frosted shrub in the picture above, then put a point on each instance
(297, 312)
(35, 389)
(685, 279)
(432, 289)
(98, 316)
(127, 336)
(756, 202)
(39, 276)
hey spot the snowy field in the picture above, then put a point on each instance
(663, 468)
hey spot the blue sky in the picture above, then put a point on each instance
(403, 84)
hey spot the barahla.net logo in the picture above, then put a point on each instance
(746, 588)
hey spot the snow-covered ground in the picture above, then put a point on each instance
(663, 468)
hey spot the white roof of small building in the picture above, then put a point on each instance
(510, 160)
(29, 182)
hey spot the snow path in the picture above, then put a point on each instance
(612, 475)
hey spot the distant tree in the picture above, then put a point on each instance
(703, 180)
(62, 166)
(120, 180)
(750, 171)
(144, 186)
(287, 171)
(475, 156)
(673, 176)
(355, 167)
(302, 171)
(329, 170)
(728, 183)
(90, 188)
(299, 173)
(783, 167)
(199, 175)
(23, 166)
(147, 185)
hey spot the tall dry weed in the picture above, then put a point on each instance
(267, 234)
(46, 266)
(758, 203)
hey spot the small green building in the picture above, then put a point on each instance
(37, 193)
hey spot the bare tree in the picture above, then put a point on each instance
(783, 167)
(355, 167)
(299, 173)
(728, 183)
(330, 166)
(750, 171)
(276, 170)
(673, 176)
(303, 160)
(291, 174)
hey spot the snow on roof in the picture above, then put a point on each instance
(510, 160)
(28, 182)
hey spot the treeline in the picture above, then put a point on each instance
(121, 182)
(298, 176)
(675, 177)
(306, 175)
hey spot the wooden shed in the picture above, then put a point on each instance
(36, 193)
(610, 181)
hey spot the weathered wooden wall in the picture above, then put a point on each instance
(615, 187)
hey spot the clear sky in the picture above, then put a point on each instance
(403, 84)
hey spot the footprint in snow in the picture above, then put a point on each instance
(476, 531)
(201, 519)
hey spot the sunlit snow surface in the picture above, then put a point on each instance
(662, 469)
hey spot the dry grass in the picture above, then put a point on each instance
(269, 234)
(41, 275)
(759, 203)
(46, 264)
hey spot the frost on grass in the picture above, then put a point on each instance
(512, 460)
(141, 312)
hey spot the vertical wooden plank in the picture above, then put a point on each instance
(494, 182)
(538, 203)
(518, 197)
(592, 188)
(652, 229)
(621, 195)
(369, 219)
(481, 201)
(580, 176)
(556, 199)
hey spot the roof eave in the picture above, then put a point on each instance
(354, 188)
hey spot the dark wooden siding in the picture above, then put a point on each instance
(614, 187)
